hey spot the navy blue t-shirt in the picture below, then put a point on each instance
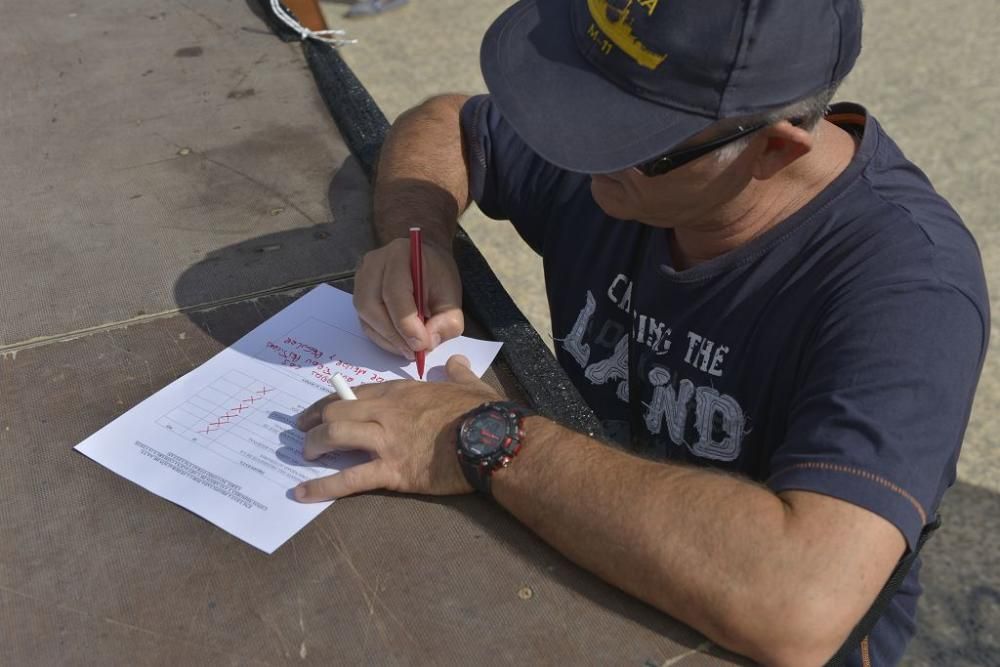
(838, 352)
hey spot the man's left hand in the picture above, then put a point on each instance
(409, 428)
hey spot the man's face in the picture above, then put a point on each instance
(683, 197)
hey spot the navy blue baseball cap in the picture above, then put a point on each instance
(596, 86)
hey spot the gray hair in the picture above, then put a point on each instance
(809, 111)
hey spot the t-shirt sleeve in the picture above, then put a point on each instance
(884, 398)
(507, 179)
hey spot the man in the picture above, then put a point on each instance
(772, 307)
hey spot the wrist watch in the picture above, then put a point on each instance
(488, 438)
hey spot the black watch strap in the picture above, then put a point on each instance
(478, 477)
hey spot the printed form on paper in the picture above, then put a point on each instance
(221, 441)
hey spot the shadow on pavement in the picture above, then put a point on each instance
(243, 271)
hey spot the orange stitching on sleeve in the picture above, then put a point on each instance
(866, 658)
(864, 474)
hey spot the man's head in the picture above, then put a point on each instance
(598, 86)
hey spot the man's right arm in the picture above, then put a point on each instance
(422, 181)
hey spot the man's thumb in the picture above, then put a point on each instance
(459, 370)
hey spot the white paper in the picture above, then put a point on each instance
(221, 440)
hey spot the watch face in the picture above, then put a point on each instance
(485, 433)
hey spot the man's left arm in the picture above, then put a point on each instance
(779, 578)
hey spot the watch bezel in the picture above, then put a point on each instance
(511, 416)
(479, 468)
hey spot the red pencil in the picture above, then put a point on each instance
(417, 273)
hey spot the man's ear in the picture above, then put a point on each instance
(785, 143)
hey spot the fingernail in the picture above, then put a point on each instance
(414, 343)
(408, 353)
(300, 492)
(435, 339)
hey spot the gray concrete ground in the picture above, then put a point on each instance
(927, 72)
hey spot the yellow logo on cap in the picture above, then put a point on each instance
(614, 23)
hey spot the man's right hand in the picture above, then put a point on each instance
(383, 297)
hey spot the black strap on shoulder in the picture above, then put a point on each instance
(864, 627)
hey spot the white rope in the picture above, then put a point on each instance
(333, 37)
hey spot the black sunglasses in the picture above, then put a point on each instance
(668, 161)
